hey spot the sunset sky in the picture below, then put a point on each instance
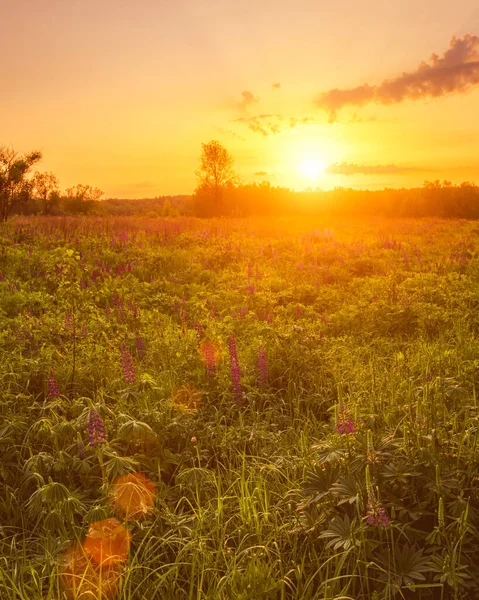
(120, 94)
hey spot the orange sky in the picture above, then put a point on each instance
(120, 94)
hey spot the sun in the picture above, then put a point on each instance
(312, 168)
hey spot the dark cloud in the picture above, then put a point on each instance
(454, 72)
(276, 86)
(349, 169)
(272, 124)
(248, 99)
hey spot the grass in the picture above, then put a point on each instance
(375, 322)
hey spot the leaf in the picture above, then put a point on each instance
(348, 488)
(341, 534)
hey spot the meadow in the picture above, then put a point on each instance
(277, 409)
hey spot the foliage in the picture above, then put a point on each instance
(215, 175)
(14, 187)
(348, 469)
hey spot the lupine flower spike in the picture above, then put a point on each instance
(344, 422)
(235, 371)
(376, 514)
(96, 431)
(53, 391)
(128, 366)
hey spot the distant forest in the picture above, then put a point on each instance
(433, 199)
(219, 193)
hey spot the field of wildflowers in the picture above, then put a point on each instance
(283, 410)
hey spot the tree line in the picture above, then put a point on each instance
(220, 193)
(20, 186)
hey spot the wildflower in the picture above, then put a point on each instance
(132, 496)
(263, 366)
(376, 514)
(344, 423)
(235, 371)
(107, 542)
(96, 432)
(128, 366)
(199, 329)
(207, 351)
(53, 391)
(140, 346)
(194, 440)
(69, 326)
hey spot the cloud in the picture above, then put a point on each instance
(231, 133)
(351, 169)
(456, 71)
(272, 124)
(261, 173)
(248, 99)
(276, 86)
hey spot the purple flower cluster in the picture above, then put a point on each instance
(199, 329)
(96, 432)
(208, 351)
(263, 366)
(344, 423)
(127, 366)
(140, 346)
(69, 322)
(235, 371)
(53, 391)
(377, 514)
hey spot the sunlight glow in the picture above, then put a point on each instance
(312, 168)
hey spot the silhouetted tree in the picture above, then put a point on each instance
(214, 176)
(45, 189)
(14, 187)
(82, 198)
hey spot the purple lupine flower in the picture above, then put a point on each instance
(69, 321)
(96, 431)
(208, 353)
(235, 371)
(263, 366)
(199, 329)
(344, 423)
(140, 346)
(134, 309)
(127, 366)
(53, 391)
(376, 514)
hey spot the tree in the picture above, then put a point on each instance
(214, 176)
(82, 198)
(45, 189)
(14, 187)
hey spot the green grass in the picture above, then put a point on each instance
(379, 322)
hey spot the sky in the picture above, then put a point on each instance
(121, 94)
